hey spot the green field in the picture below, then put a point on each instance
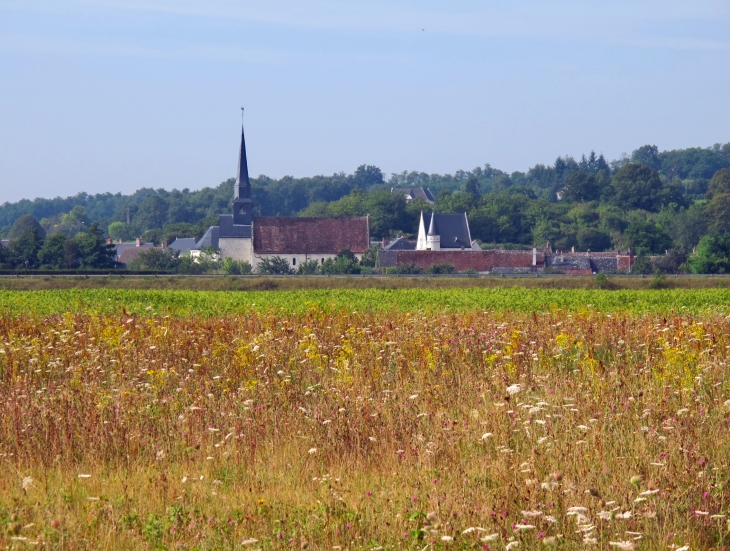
(215, 303)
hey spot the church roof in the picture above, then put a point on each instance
(210, 239)
(453, 229)
(300, 235)
(229, 229)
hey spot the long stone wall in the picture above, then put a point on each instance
(481, 261)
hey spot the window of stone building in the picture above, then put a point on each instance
(294, 261)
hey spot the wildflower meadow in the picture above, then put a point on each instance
(140, 421)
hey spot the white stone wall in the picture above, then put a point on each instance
(237, 248)
(299, 258)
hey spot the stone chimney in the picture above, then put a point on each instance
(139, 242)
(110, 241)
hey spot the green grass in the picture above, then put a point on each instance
(215, 303)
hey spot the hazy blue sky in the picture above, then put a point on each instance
(114, 95)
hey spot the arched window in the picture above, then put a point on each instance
(293, 261)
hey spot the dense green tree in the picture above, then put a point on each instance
(591, 239)
(24, 225)
(121, 230)
(51, 255)
(94, 252)
(712, 256)
(472, 187)
(581, 186)
(647, 237)
(367, 176)
(23, 250)
(647, 155)
(685, 225)
(720, 183)
(717, 212)
(637, 186)
(152, 213)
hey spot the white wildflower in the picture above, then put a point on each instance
(312, 451)
(627, 545)
(474, 529)
(576, 510)
(683, 548)
(486, 435)
(524, 526)
(649, 492)
(413, 396)
(514, 389)
(84, 476)
(512, 545)
(27, 483)
(447, 538)
(551, 519)
(531, 514)
(490, 538)
(249, 541)
(702, 513)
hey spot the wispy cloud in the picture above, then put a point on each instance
(670, 24)
(61, 45)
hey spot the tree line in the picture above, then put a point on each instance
(650, 201)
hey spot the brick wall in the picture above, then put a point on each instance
(481, 261)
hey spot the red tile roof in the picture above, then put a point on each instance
(127, 254)
(295, 235)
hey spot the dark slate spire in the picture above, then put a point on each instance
(243, 184)
(242, 205)
(432, 226)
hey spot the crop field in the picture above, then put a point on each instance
(495, 419)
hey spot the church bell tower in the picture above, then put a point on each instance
(242, 204)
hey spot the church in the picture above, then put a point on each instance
(248, 238)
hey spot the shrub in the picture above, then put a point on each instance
(409, 268)
(274, 266)
(309, 267)
(236, 267)
(444, 268)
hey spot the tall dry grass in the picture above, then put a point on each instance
(365, 430)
